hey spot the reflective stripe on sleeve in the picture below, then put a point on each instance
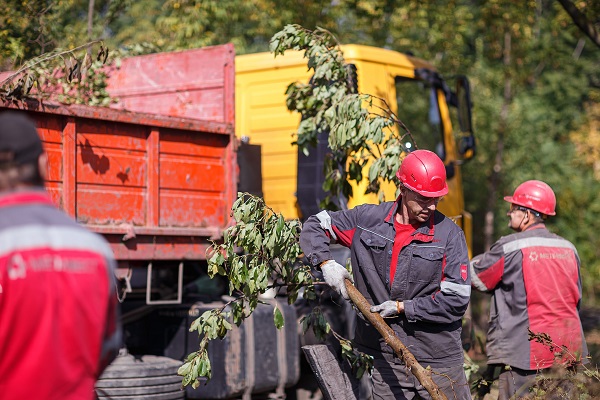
(325, 221)
(475, 281)
(455, 289)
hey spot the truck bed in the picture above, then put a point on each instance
(165, 184)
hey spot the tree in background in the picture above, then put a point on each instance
(26, 30)
(533, 70)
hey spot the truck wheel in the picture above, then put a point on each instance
(149, 377)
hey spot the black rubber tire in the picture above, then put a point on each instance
(145, 378)
(148, 381)
(162, 396)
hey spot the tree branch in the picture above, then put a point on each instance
(45, 57)
(581, 21)
(423, 375)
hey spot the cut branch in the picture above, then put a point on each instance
(423, 375)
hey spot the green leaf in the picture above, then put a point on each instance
(184, 369)
(278, 318)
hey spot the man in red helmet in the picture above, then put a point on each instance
(535, 282)
(411, 263)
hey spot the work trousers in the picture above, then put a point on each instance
(391, 380)
(514, 383)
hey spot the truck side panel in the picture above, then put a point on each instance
(168, 183)
(196, 83)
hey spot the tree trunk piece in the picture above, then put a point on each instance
(333, 374)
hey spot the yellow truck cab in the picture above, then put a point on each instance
(411, 87)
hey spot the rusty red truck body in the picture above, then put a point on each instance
(156, 174)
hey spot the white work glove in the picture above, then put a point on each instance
(334, 275)
(388, 309)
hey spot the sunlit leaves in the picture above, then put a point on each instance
(277, 318)
(259, 253)
(358, 131)
(268, 244)
(212, 324)
(248, 24)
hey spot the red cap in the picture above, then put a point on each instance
(19, 140)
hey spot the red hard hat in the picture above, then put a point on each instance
(423, 172)
(536, 195)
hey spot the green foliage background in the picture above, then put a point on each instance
(535, 77)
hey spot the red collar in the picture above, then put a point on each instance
(426, 230)
(22, 198)
(424, 233)
(390, 218)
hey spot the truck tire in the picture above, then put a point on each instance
(146, 377)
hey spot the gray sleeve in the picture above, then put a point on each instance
(450, 302)
(320, 229)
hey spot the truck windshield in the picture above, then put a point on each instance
(418, 109)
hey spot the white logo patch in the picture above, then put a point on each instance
(16, 267)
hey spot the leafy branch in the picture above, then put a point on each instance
(259, 253)
(360, 127)
(568, 377)
(68, 76)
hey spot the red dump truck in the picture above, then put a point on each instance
(156, 175)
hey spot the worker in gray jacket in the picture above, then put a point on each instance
(411, 263)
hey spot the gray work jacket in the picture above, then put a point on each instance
(535, 279)
(432, 277)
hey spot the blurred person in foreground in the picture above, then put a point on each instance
(411, 263)
(535, 281)
(58, 306)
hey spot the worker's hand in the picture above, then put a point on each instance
(335, 274)
(389, 308)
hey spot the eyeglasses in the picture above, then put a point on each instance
(515, 207)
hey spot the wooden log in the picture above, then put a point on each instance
(335, 378)
(423, 375)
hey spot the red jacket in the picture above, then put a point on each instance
(58, 305)
(536, 284)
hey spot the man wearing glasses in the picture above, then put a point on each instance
(535, 282)
(411, 263)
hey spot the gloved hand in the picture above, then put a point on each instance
(389, 308)
(334, 275)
